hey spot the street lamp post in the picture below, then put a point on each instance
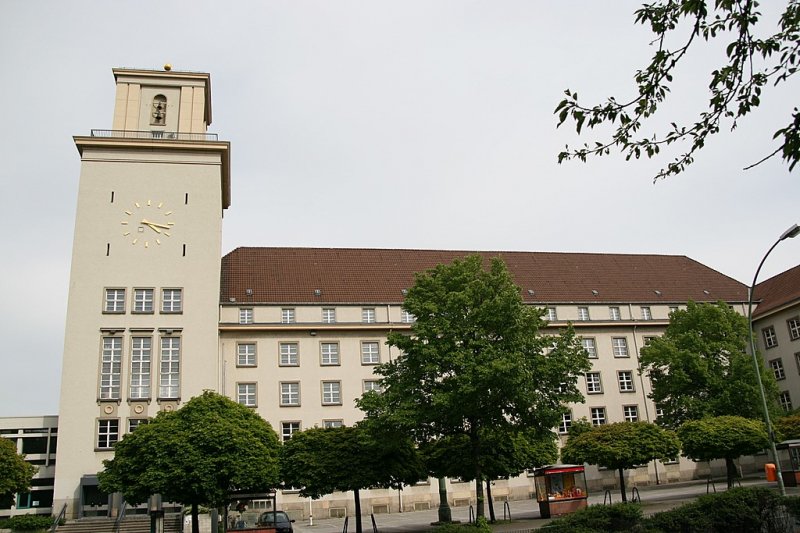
(788, 234)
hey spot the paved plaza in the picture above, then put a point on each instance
(525, 513)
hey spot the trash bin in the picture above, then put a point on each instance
(772, 473)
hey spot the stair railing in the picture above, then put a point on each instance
(120, 516)
(61, 516)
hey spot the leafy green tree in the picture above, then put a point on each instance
(196, 455)
(788, 427)
(475, 363)
(699, 367)
(320, 461)
(15, 473)
(621, 446)
(750, 64)
(723, 437)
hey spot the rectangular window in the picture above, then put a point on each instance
(590, 346)
(551, 314)
(625, 380)
(170, 367)
(785, 400)
(329, 315)
(598, 416)
(115, 301)
(566, 422)
(646, 315)
(107, 433)
(614, 314)
(288, 429)
(329, 353)
(110, 368)
(794, 328)
(630, 413)
(619, 346)
(406, 317)
(290, 394)
(777, 369)
(672, 309)
(246, 394)
(593, 383)
(331, 393)
(172, 300)
(369, 353)
(246, 354)
(332, 423)
(134, 423)
(141, 352)
(142, 300)
(288, 354)
(368, 315)
(647, 340)
(372, 384)
(770, 339)
(245, 316)
(583, 313)
(287, 316)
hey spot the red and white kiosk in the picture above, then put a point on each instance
(560, 489)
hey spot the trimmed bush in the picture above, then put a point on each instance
(481, 526)
(736, 510)
(27, 522)
(598, 518)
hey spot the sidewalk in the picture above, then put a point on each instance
(524, 513)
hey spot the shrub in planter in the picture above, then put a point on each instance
(28, 522)
(598, 518)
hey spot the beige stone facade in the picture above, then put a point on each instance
(155, 315)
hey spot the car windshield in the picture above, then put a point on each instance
(274, 518)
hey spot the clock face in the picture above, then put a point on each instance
(147, 224)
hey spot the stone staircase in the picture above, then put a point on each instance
(173, 523)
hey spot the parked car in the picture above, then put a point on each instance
(277, 519)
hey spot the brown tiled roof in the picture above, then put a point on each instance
(354, 275)
(777, 291)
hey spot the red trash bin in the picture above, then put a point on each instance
(772, 474)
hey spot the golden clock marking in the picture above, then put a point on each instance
(128, 213)
(148, 202)
(126, 233)
(137, 205)
(134, 241)
(124, 222)
(158, 242)
(168, 213)
(160, 204)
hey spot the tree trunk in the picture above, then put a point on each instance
(358, 510)
(490, 500)
(476, 448)
(731, 471)
(622, 484)
(195, 519)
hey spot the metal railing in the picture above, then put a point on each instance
(120, 516)
(155, 134)
(61, 516)
(506, 508)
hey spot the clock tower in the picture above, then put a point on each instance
(143, 313)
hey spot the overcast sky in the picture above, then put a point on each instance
(405, 124)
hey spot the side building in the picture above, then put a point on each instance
(776, 325)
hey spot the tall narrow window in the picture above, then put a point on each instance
(630, 413)
(777, 369)
(646, 314)
(110, 368)
(288, 429)
(794, 328)
(290, 394)
(614, 314)
(551, 314)
(331, 393)
(583, 313)
(566, 422)
(245, 316)
(785, 400)
(619, 346)
(625, 379)
(590, 346)
(598, 416)
(287, 316)
(288, 354)
(140, 367)
(115, 301)
(770, 339)
(329, 353)
(369, 353)
(246, 394)
(158, 114)
(246, 354)
(170, 367)
(593, 383)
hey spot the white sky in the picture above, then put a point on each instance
(404, 124)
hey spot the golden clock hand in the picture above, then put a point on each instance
(151, 224)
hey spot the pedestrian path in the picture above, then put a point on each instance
(524, 513)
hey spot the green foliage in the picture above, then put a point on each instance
(750, 64)
(741, 509)
(195, 455)
(28, 522)
(598, 519)
(788, 427)
(320, 461)
(475, 363)
(480, 526)
(504, 454)
(15, 472)
(722, 437)
(621, 446)
(699, 367)
(579, 426)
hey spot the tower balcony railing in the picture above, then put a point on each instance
(155, 134)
